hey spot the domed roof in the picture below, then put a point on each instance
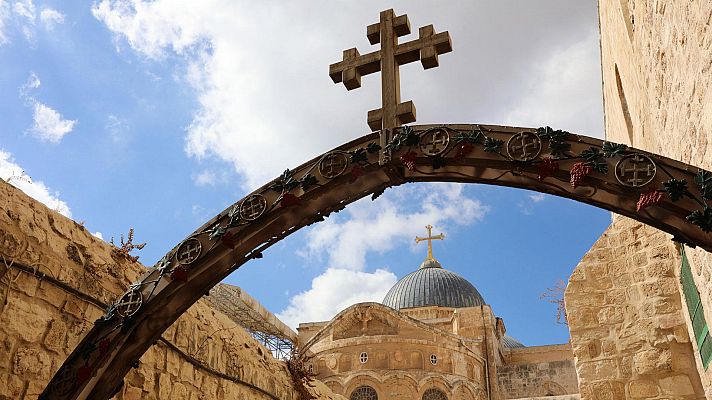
(511, 343)
(431, 285)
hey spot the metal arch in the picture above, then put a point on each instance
(300, 197)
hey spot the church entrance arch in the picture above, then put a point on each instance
(664, 193)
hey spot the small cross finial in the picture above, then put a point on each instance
(430, 239)
(392, 54)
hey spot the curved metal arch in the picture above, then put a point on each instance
(652, 189)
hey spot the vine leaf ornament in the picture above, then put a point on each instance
(676, 189)
(493, 145)
(308, 181)
(594, 159)
(611, 149)
(702, 218)
(703, 179)
(557, 141)
(285, 182)
(469, 137)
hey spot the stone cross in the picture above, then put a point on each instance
(430, 239)
(426, 48)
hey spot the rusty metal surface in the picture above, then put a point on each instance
(507, 156)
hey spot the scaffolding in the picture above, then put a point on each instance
(264, 326)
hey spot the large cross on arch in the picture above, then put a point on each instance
(426, 48)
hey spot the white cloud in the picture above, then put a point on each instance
(49, 125)
(205, 178)
(389, 222)
(259, 72)
(25, 9)
(15, 175)
(99, 235)
(537, 197)
(560, 96)
(51, 17)
(335, 290)
(4, 16)
(117, 128)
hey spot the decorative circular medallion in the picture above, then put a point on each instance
(331, 363)
(189, 251)
(635, 170)
(434, 142)
(253, 207)
(63, 382)
(333, 165)
(524, 146)
(129, 303)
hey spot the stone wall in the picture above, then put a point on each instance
(537, 371)
(628, 331)
(55, 279)
(656, 60)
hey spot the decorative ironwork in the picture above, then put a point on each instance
(434, 142)
(333, 165)
(253, 207)
(129, 303)
(189, 251)
(364, 393)
(524, 146)
(635, 170)
(478, 156)
(434, 394)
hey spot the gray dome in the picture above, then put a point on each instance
(511, 343)
(431, 285)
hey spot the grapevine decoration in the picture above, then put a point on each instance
(408, 159)
(594, 159)
(676, 189)
(649, 198)
(557, 141)
(464, 149)
(546, 168)
(578, 172)
(493, 145)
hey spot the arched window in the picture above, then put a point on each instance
(364, 393)
(363, 357)
(433, 359)
(434, 394)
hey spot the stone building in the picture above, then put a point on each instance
(433, 338)
(639, 303)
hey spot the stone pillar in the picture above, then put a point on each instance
(628, 333)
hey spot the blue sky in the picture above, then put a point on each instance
(157, 115)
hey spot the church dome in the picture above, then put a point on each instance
(431, 285)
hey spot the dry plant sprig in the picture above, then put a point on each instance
(127, 247)
(301, 376)
(22, 176)
(555, 295)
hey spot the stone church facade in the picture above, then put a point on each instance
(433, 338)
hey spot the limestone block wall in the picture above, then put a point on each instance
(55, 279)
(628, 331)
(538, 371)
(656, 60)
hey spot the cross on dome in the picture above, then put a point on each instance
(429, 239)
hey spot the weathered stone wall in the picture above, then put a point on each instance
(537, 371)
(43, 315)
(627, 327)
(656, 59)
